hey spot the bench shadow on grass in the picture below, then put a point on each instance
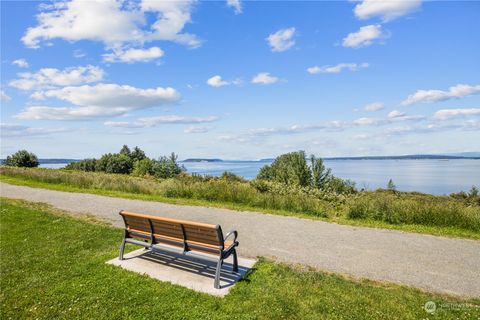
(191, 264)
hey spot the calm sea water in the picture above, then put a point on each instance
(429, 176)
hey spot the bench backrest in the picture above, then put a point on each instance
(191, 235)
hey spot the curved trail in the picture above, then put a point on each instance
(436, 264)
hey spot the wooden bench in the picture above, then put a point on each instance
(152, 232)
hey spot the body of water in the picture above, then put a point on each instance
(429, 176)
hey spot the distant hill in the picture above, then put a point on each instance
(406, 157)
(465, 154)
(201, 160)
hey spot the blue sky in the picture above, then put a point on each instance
(240, 79)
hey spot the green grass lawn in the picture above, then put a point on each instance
(53, 266)
(53, 180)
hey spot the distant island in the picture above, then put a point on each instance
(466, 155)
(201, 160)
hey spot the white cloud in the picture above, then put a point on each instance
(281, 40)
(22, 63)
(217, 81)
(337, 68)
(16, 130)
(387, 10)
(446, 114)
(264, 78)
(134, 55)
(374, 106)
(364, 36)
(78, 53)
(98, 101)
(51, 77)
(196, 129)
(4, 96)
(369, 121)
(395, 114)
(425, 96)
(115, 23)
(236, 5)
(158, 120)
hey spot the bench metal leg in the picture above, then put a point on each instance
(122, 248)
(217, 274)
(235, 261)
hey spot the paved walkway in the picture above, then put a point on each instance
(436, 264)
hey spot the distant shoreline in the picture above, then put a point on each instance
(210, 160)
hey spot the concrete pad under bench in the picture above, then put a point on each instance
(187, 271)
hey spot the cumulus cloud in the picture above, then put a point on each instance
(4, 96)
(134, 55)
(395, 114)
(16, 130)
(217, 81)
(374, 106)
(369, 121)
(281, 40)
(98, 101)
(158, 120)
(386, 10)
(446, 114)
(264, 78)
(364, 37)
(337, 68)
(236, 5)
(115, 23)
(51, 77)
(426, 96)
(22, 63)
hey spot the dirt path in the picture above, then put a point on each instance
(433, 263)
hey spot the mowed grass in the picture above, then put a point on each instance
(53, 267)
(414, 212)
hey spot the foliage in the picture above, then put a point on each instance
(472, 197)
(22, 158)
(293, 169)
(83, 165)
(131, 162)
(64, 276)
(391, 186)
(166, 167)
(414, 208)
(395, 209)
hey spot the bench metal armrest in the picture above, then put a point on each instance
(232, 232)
(234, 242)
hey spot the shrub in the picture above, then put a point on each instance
(293, 169)
(166, 167)
(22, 158)
(82, 165)
(143, 168)
(114, 163)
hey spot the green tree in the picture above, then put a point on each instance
(391, 186)
(289, 168)
(137, 154)
(22, 158)
(143, 167)
(83, 165)
(125, 150)
(166, 167)
(320, 174)
(114, 163)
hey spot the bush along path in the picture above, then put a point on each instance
(432, 263)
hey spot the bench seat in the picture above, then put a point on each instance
(153, 231)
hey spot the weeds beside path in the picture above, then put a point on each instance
(414, 212)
